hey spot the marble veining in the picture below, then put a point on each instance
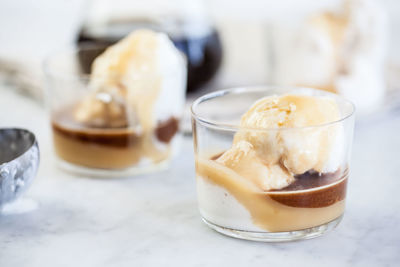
(153, 219)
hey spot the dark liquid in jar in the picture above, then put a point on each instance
(203, 52)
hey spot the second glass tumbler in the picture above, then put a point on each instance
(123, 117)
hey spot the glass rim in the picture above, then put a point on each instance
(73, 51)
(262, 88)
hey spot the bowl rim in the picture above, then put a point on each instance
(33, 144)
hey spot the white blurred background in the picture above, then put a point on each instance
(32, 29)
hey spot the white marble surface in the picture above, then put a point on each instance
(153, 219)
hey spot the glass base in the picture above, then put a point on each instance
(276, 236)
(112, 173)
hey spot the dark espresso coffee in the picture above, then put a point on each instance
(311, 189)
(110, 148)
(203, 51)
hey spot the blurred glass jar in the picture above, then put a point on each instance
(185, 22)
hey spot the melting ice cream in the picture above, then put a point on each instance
(289, 145)
(133, 83)
(283, 171)
(132, 110)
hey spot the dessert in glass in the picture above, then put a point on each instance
(272, 163)
(123, 116)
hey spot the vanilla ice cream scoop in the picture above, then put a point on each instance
(102, 110)
(133, 83)
(243, 159)
(280, 139)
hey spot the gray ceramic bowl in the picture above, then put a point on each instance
(19, 161)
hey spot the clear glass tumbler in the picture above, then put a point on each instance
(231, 200)
(119, 130)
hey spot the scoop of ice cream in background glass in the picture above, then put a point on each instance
(123, 117)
